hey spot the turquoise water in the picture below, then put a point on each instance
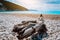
(32, 12)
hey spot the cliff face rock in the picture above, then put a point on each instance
(11, 6)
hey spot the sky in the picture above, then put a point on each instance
(43, 6)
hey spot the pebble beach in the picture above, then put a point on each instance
(7, 23)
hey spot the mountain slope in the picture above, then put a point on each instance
(12, 6)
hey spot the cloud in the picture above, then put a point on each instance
(40, 5)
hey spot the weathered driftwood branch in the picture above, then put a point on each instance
(28, 31)
(29, 28)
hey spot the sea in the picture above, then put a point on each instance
(31, 12)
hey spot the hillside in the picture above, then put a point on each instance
(11, 6)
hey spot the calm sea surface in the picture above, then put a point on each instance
(31, 12)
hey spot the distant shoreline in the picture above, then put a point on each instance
(46, 16)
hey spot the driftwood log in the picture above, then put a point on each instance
(25, 32)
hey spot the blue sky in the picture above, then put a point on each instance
(43, 6)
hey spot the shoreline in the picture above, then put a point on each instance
(46, 16)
